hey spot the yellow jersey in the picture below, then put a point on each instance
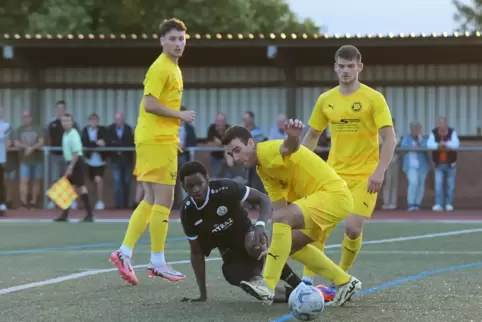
(295, 176)
(354, 122)
(163, 81)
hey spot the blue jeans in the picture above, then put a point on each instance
(416, 186)
(122, 174)
(31, 171)
(445, 172)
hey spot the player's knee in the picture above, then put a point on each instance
(353, 232)
(163, 195)
(230, 275)
(291, 218)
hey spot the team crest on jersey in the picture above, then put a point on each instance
(356, 107)
(221, 211)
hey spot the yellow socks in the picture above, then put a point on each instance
(319, 263)
(158, 227)
(349, 251)
(137, 225)
(278, 254)
(308, 275)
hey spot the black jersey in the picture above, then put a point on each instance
(221, 222)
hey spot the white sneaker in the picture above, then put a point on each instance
(449, 207)
(437, 208)
(51, 205)
(99, 205)
(3, 207)
(259, 289)
(345, 292)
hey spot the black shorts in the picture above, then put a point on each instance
(78, 173)
(93, 172)
(239, 266)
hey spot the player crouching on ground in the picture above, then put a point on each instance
(75, 173)
(213, 216)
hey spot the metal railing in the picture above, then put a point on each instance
(192, 153)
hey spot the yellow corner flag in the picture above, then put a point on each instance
(62, 193)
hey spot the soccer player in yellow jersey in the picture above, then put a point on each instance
(356, 115)
(156, 140)
(319, 201)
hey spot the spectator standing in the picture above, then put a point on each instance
(250, 124)
(5, 131)
(94, 136)
(443, 140)
(277, 132)
(29, 138)
(416, 165)
(55, 132)
(120, 136)
(215, 133)
(392, 176)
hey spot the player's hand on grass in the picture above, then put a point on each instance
(294, 127)
(197, 299)
(375, 182)
(187, 116)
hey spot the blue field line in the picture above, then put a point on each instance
(72, 247)
(394, 283)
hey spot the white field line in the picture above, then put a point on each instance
(101, 271)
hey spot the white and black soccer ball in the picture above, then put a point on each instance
(306, 302)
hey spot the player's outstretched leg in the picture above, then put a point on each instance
(158, 267)
(122, 258)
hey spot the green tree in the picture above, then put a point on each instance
(144, 16)
(469, 16)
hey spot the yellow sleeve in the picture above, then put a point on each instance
(156, 79)
(271, 163)
(318, 120)
(381, 112)
(269, 154)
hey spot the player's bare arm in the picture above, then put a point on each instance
(199, 266)
(311, 139)
(389, 143)
(291, 144)
(70, 168)
(152, 106)
(255, 197)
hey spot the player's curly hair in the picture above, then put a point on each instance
(171, 24)
(190, 168)
(348, 52)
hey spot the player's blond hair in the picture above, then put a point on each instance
(171, 24)
(348, 52)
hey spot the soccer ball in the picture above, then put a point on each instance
(306, 302)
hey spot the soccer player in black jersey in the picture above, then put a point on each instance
(213, 216)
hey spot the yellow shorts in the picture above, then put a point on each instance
(156, 163)
(323, 211)
(363, 202)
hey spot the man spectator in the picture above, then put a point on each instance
(4, 135)
(55, 133)
(416, 165)
(249, 123)
(277, 132)
(392, 175)
(187, 138)
(443, 140)
(120, 135)
(215, 133)
(29, 138)
(94, 136)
